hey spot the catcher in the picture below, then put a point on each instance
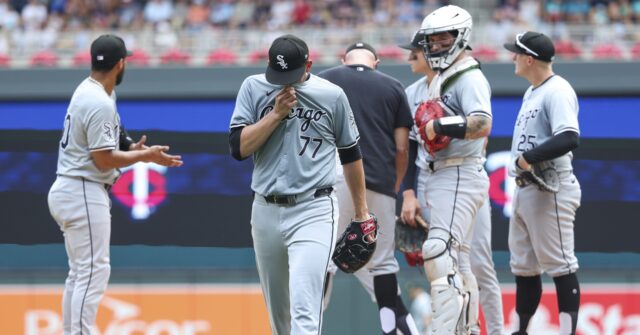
(453, 177)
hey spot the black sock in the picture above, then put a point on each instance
(385, 288)
(568, 294)
(401, 316)
(528, 294)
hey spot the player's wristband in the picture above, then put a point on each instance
(452, 126)
(125, 140)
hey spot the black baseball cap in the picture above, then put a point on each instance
(287, 59)
(536, 45)
(361, 45)
(414, 43)
(106, 51)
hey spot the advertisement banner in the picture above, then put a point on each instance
(606, 309)
(190, 309)
(180, 309)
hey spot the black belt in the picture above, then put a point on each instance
(105, 185)
(293, 198)
(522, 182)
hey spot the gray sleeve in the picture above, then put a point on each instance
(243, 113)
(563, 111)
(475, 94)
(102, 131)
(345, 128)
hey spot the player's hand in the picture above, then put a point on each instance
(410, 208)
(157, 154)
(285, 101)
(362, 216)
(140, 144)
(431, 133)
(522, 163)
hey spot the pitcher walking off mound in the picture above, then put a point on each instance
(292, 122)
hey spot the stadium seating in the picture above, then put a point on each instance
(175, 56)
(44, 58)
(635, 51)
(566, 49)
(484, 53)
(606, 51)
(82, 58)
(139, 58)
(392, 52)
(257, 56)
(5, 60)
(222, 56)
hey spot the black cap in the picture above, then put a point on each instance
(287, 58)
(536, 45)
(361, 45)
(106, 51)
(414, 43)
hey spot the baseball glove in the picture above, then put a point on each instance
(356, 245)
(427, 111)
(542, 174)
(409, 240)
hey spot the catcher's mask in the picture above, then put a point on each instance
(451, 25)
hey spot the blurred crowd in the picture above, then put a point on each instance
(564, 19)
(67, 26)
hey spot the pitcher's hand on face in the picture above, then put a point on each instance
(285, 101)
(157, 154)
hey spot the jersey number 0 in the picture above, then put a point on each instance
(65, 132)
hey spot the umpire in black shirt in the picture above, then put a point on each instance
(383, 118)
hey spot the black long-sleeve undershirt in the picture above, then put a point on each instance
(409, 180)
(556, 146)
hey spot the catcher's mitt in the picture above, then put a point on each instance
(542, 174)
(409, 240)
(427, 111)
(356, 245)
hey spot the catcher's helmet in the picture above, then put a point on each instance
(446, 19)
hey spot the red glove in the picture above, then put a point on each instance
(427, 111)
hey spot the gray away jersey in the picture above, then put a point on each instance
(300, 153)
(469, 95)
(91, 124)
(547, 110)
(416, 94)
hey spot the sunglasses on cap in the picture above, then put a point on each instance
(524, 47)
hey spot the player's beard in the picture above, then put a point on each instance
(119, 77)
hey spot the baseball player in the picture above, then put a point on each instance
(480, 259)
(455, 182)
(541, 228)
(292, 122)
(94, 146)
(384, 119)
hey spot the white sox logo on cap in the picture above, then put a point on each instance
(281, 62)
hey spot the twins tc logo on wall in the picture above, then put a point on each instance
(501, 186)
(141, 187)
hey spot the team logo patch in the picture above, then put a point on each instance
(281, 62)
(108, 131)
(367, 227)
(352, 237)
